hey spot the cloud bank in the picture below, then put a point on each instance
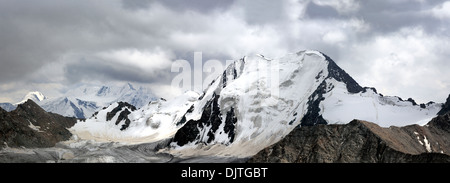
(399, 47)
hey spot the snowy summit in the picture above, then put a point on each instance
(253, 104)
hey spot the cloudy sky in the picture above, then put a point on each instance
(401, 47)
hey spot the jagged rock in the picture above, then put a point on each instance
(122, 105)
(313, 116)
(123, 115)
(412, 101)
(210, 117)
(446, 107)
(361, 141)
(30, 126)
(326, 97)
(340, 75)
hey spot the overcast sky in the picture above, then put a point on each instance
(401, 47)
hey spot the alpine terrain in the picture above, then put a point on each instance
(30, 126)
(255, 103)
(301, 107)
(362, 141)
(84, 100)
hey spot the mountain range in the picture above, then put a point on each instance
(84, 100)
(301, 107)
(241, 112)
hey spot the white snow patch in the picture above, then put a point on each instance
(418, 139)
(341, 107)
(35, 128)
(36, 96)
(427, 144)
(153, 122)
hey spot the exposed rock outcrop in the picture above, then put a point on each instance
(446, 107)
(30, 126)
(361, 141)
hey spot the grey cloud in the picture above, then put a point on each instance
(87, 70)
(203, 6)
(384, 16)
(34, 35)
(262, 11)
(321, 12)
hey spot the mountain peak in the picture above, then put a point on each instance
(446, 107)
(35, 96)
(340, 75)
(29, 106)
(246, 103)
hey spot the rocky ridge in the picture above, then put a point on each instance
(31, 126)
(362, 142)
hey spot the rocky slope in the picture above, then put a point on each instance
(361, 141)
(30, 126)
(446, 107)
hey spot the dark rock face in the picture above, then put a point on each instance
(340, 75)
(361, 141)
(412, 101)
(205, 129)
(210, 120)
(446, 107)
(313, 117)
(441, 122)
(122, 105)
(230, 124)
(123, 116)
(30, 126)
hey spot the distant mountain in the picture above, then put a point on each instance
(35, 96)
(70, 106)
(7, 106)
(85, 100)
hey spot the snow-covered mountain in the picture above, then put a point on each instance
(35, 96)
(85, 100)
(253, 104)
(8, 106)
